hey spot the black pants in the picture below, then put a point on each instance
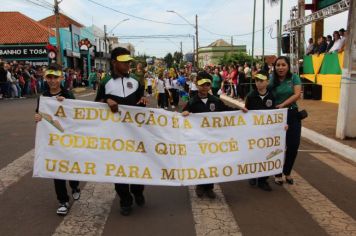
(292, 141)
(124, 191)
(175, 96)
(61, 189)
(206, 186)
(162, 100)
(149, 89)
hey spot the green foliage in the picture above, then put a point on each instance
(168, 59)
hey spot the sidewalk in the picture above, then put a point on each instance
(320, 127)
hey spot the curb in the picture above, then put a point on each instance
(328, 143)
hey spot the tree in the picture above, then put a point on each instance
(168, 59)
(177, 56)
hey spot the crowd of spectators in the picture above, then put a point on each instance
(328, 44)
(20, 80)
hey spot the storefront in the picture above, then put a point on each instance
(30, 53)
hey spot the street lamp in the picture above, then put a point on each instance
(118, 24)
(196, 33)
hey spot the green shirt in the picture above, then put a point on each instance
(216, 81)
(285, 89)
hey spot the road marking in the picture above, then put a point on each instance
(333, 220)
(89, 214)
(342, 167)
(14, 171)
(86, 95)
(212, 217)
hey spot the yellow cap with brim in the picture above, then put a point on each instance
(261, 77)
(203, 81)
(124, 58)
(57, 73)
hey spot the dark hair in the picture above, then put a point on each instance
(114, 54)
(54, 66)
(329, 37)
(276, 81)
(204, 75)
(342, 30)
(118, 52)
(263, 72)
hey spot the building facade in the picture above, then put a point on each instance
(211, 54)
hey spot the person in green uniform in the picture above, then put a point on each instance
(216, 82)
(286, 88)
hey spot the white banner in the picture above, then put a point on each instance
(80, 140)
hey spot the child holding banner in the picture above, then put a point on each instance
(260, 99)
(54, 77)
(122, 89)
(203, 101)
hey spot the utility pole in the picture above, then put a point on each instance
(280, 27)
(345, 126)
(196, 41)
(278, 39)
(59, 51)
(263, 31)
(253, 38)
(181, 50)
(105, 44)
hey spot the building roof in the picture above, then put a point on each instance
(219, 43)
(16, 28)
(64, 21)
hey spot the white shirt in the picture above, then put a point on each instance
(149, 81)
(167, 83)
(160, 85)
(337, 45)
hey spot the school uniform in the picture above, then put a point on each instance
(59, 184)
(256, 101)
(125, 91)
(209, 104)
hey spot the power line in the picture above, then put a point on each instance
(39, 5)
(133, 16)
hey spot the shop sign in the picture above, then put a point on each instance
(21, 52)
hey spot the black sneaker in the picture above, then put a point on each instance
(125, 210)
(264, 186)
(252, 182)
(76, 194)
(199, 191)
(210, 194)
(140, 200)
(63, 209)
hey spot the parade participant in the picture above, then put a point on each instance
(286, 88)
(149, 82)
(260, 99)
(161, 93)
(53, 77)
(203, 101)
(139, 74)
(217, 80)
(124, 90)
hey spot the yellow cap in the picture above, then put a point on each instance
(124, 58)
(53, 72)
(261, 77)
(203, 81)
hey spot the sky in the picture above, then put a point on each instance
(217, 19)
